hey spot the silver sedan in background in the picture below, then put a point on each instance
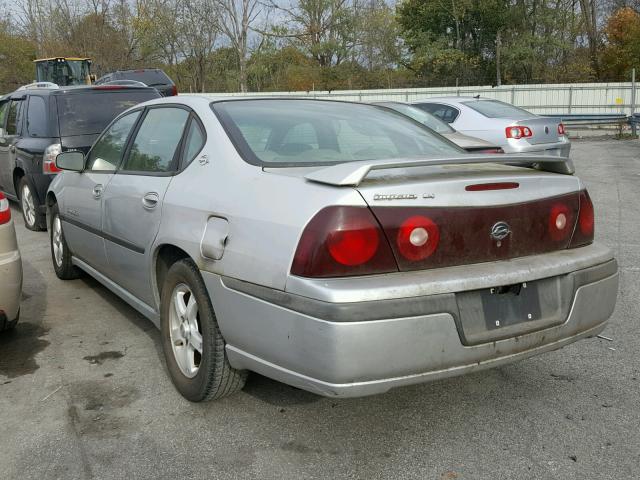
(514, 129)
(10, 269)
(338, 247)
(470, 144)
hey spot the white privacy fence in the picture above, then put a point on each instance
(545, 99)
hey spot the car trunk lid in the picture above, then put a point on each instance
(544, 129)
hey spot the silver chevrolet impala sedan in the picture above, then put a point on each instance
(333, 246)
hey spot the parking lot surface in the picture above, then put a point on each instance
(84, 393)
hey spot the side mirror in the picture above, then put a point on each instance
(72, 161)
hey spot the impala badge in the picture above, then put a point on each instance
(500, 231)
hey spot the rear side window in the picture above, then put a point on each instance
(4, 109)
(443, 112)
(156, 143)
(37, 124)
(14, 117)
(107, 152)
(496, 109)
(89, 112)
(194, 142)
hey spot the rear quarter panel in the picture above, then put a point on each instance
(266, 212)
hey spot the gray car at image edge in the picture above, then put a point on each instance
(337, 247)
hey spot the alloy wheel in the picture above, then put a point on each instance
(28, 207)
(185, 331)
(56, 241)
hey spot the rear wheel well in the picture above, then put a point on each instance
(18, 173)
(167, 256)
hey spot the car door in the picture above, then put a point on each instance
(133, 199)
(83, 192)
(11, 133)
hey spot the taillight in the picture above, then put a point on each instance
(518, 131)
(174, 90)
(561, 130)
(5, 211)
(583, 233)
(343, 241)
(418, 238)
(561, 222)
(49, 159)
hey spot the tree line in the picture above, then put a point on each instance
(304, 45)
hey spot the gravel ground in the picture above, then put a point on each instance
(84, 393)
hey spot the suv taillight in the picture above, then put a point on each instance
(584, 230)
(343, 241)
(5, 211)
(49, 159)
(174, 90)
(518, 131)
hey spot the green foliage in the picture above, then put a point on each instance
(16, 59)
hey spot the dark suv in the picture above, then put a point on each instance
(151, 77)
(36, 124)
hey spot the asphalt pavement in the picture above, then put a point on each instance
(84, 393)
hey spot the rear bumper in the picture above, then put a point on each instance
(10, 273)
(348, 349)
(559, 149)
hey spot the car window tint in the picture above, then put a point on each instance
(195, 142)
(37, 117)
(443, 112)
(107, 151)
(496, 109)
(155, 145)
(422, 116)
(4, 109)
(13, 117)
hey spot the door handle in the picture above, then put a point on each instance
(97, 191)
(150, 200)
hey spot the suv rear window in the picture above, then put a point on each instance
(89, 112)
(148, 77)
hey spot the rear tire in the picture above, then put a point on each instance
(60, 253)
(9, 324)
(33, 219)
(193, 345)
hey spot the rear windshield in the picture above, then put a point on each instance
(307, 132)
(497, 109)
(150, 78)
(420, 116)
(91, 111)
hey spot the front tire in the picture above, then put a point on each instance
(33, 219)
(60, 253)
(193, 345)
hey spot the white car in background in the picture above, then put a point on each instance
(512, 128)
(10, 269)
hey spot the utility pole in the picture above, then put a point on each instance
(633, 102)
(498, 45)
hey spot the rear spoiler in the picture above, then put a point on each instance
(351, 174)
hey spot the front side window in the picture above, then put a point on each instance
(107, 152)
(37, 117)
(156, 144)
(295, 132)
(443, 112)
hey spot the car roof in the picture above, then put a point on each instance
(77, 88)
(457, 100)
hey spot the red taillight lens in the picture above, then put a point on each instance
(5, 211)
(480, 187)
(561, 222)
(583, 234)
(518, 131)
(561, 130)
(418, 238)
(343, 241)
(174, 90)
